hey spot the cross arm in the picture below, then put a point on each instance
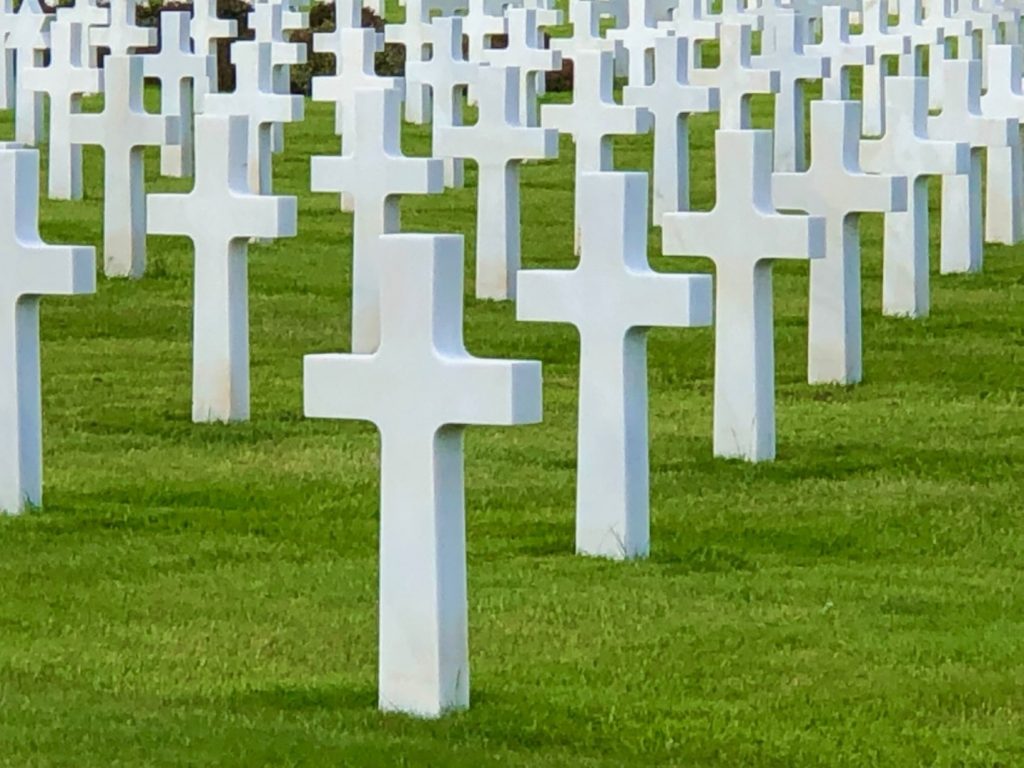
(548, 296)
(271, 216)
(57, 270)
(504, 392)
(674, 301)
(340, 386)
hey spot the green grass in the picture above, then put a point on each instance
(206, 595)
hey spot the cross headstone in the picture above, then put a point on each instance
(783, 51)
(412, 35)
(875, 32)
(220, 328)
(961, 119)
(922, 37)
(122, 129)
(586, 33)
(843, 51)
(184, 80)
(67, 78)
(271, 23)
(525, 51)
(691, 20)
(421, 388)
(735, 78)
(1004, 197)
(938, 16)
(835, 189)
(89, 14)
(906, 150)
(498, 143)
(613, 298)
(638, 37)
(448, 75)
(480, 26)
(374, 172)
(29, 37)
(670, 100)
(29, 269)
(743, 234)
(7, 84)
(254, 96)
(592, 119)
(205, 29)
(123, 36)
(354, 50)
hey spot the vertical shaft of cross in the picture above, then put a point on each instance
(220, 333)
(424, 637)
(1004, 194)
(613, 518)
(834, 312)
(497, 229)
(905, 283)
(744, 420)
(21, 479)
(961, 225)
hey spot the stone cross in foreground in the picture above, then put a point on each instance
(123, 128)
(613, 298)
(906, 150)
(742, 235)
(592, 119)
(836, 189)
(670, 100)
(29, 269)
(374, 173)
(421, 388)
(219, 215)
(498, 143)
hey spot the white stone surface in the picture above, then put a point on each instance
(90, 14)
(205, 29)
(498, 142)
(29, 38)
(525, 51)
(886, 42)
(29, 269)
(784, 52)
(1004, 198)
(586, 33)
(938, 16)
(592, 119)
(272, 22)
(735, 77)
(412, 35)
(254, 97)
(670, 99)
(374, 173)
(743, 234)
(123, 36)
(67, 78)
(613, 298)
(835, 188)
(844, 52)
(353, 50)
(637, 38)
(122, 129)
(480, 25)
(906, 150)
(184, 82)
(961, 120)
(220, 328)
(7, 85)
(421, 388)
(447, 75)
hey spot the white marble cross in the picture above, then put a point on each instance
(412, 35)
(637, 39)
(498, 142)
(254, 96)
(743, 235)
(64, 81)
(843, 51)
(525, 51)
(1004, 197)
(735, 78)
(670, 100)
(123, 36)
(835, 188)
(480, 26)
(586, 33)
(219, 215)
(613, 298)
(938, 16)
(961, 119)
(7, 83)
(592, 119)
(374, 173)
(122, 129)
(271, 22)
(691, 19)
(906, 150)
(29, 269)
(922, 37)
(89, 14)
(886, 42)
(205, 29)
(184, 80)
(784, 51)
(354, 50)
(29, 37)
(421, 388)
(448, 75)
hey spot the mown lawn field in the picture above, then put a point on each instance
(206, 594)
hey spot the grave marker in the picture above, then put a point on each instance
(1004, 198)
(735, 78)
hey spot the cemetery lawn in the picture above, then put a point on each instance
(206, 595)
